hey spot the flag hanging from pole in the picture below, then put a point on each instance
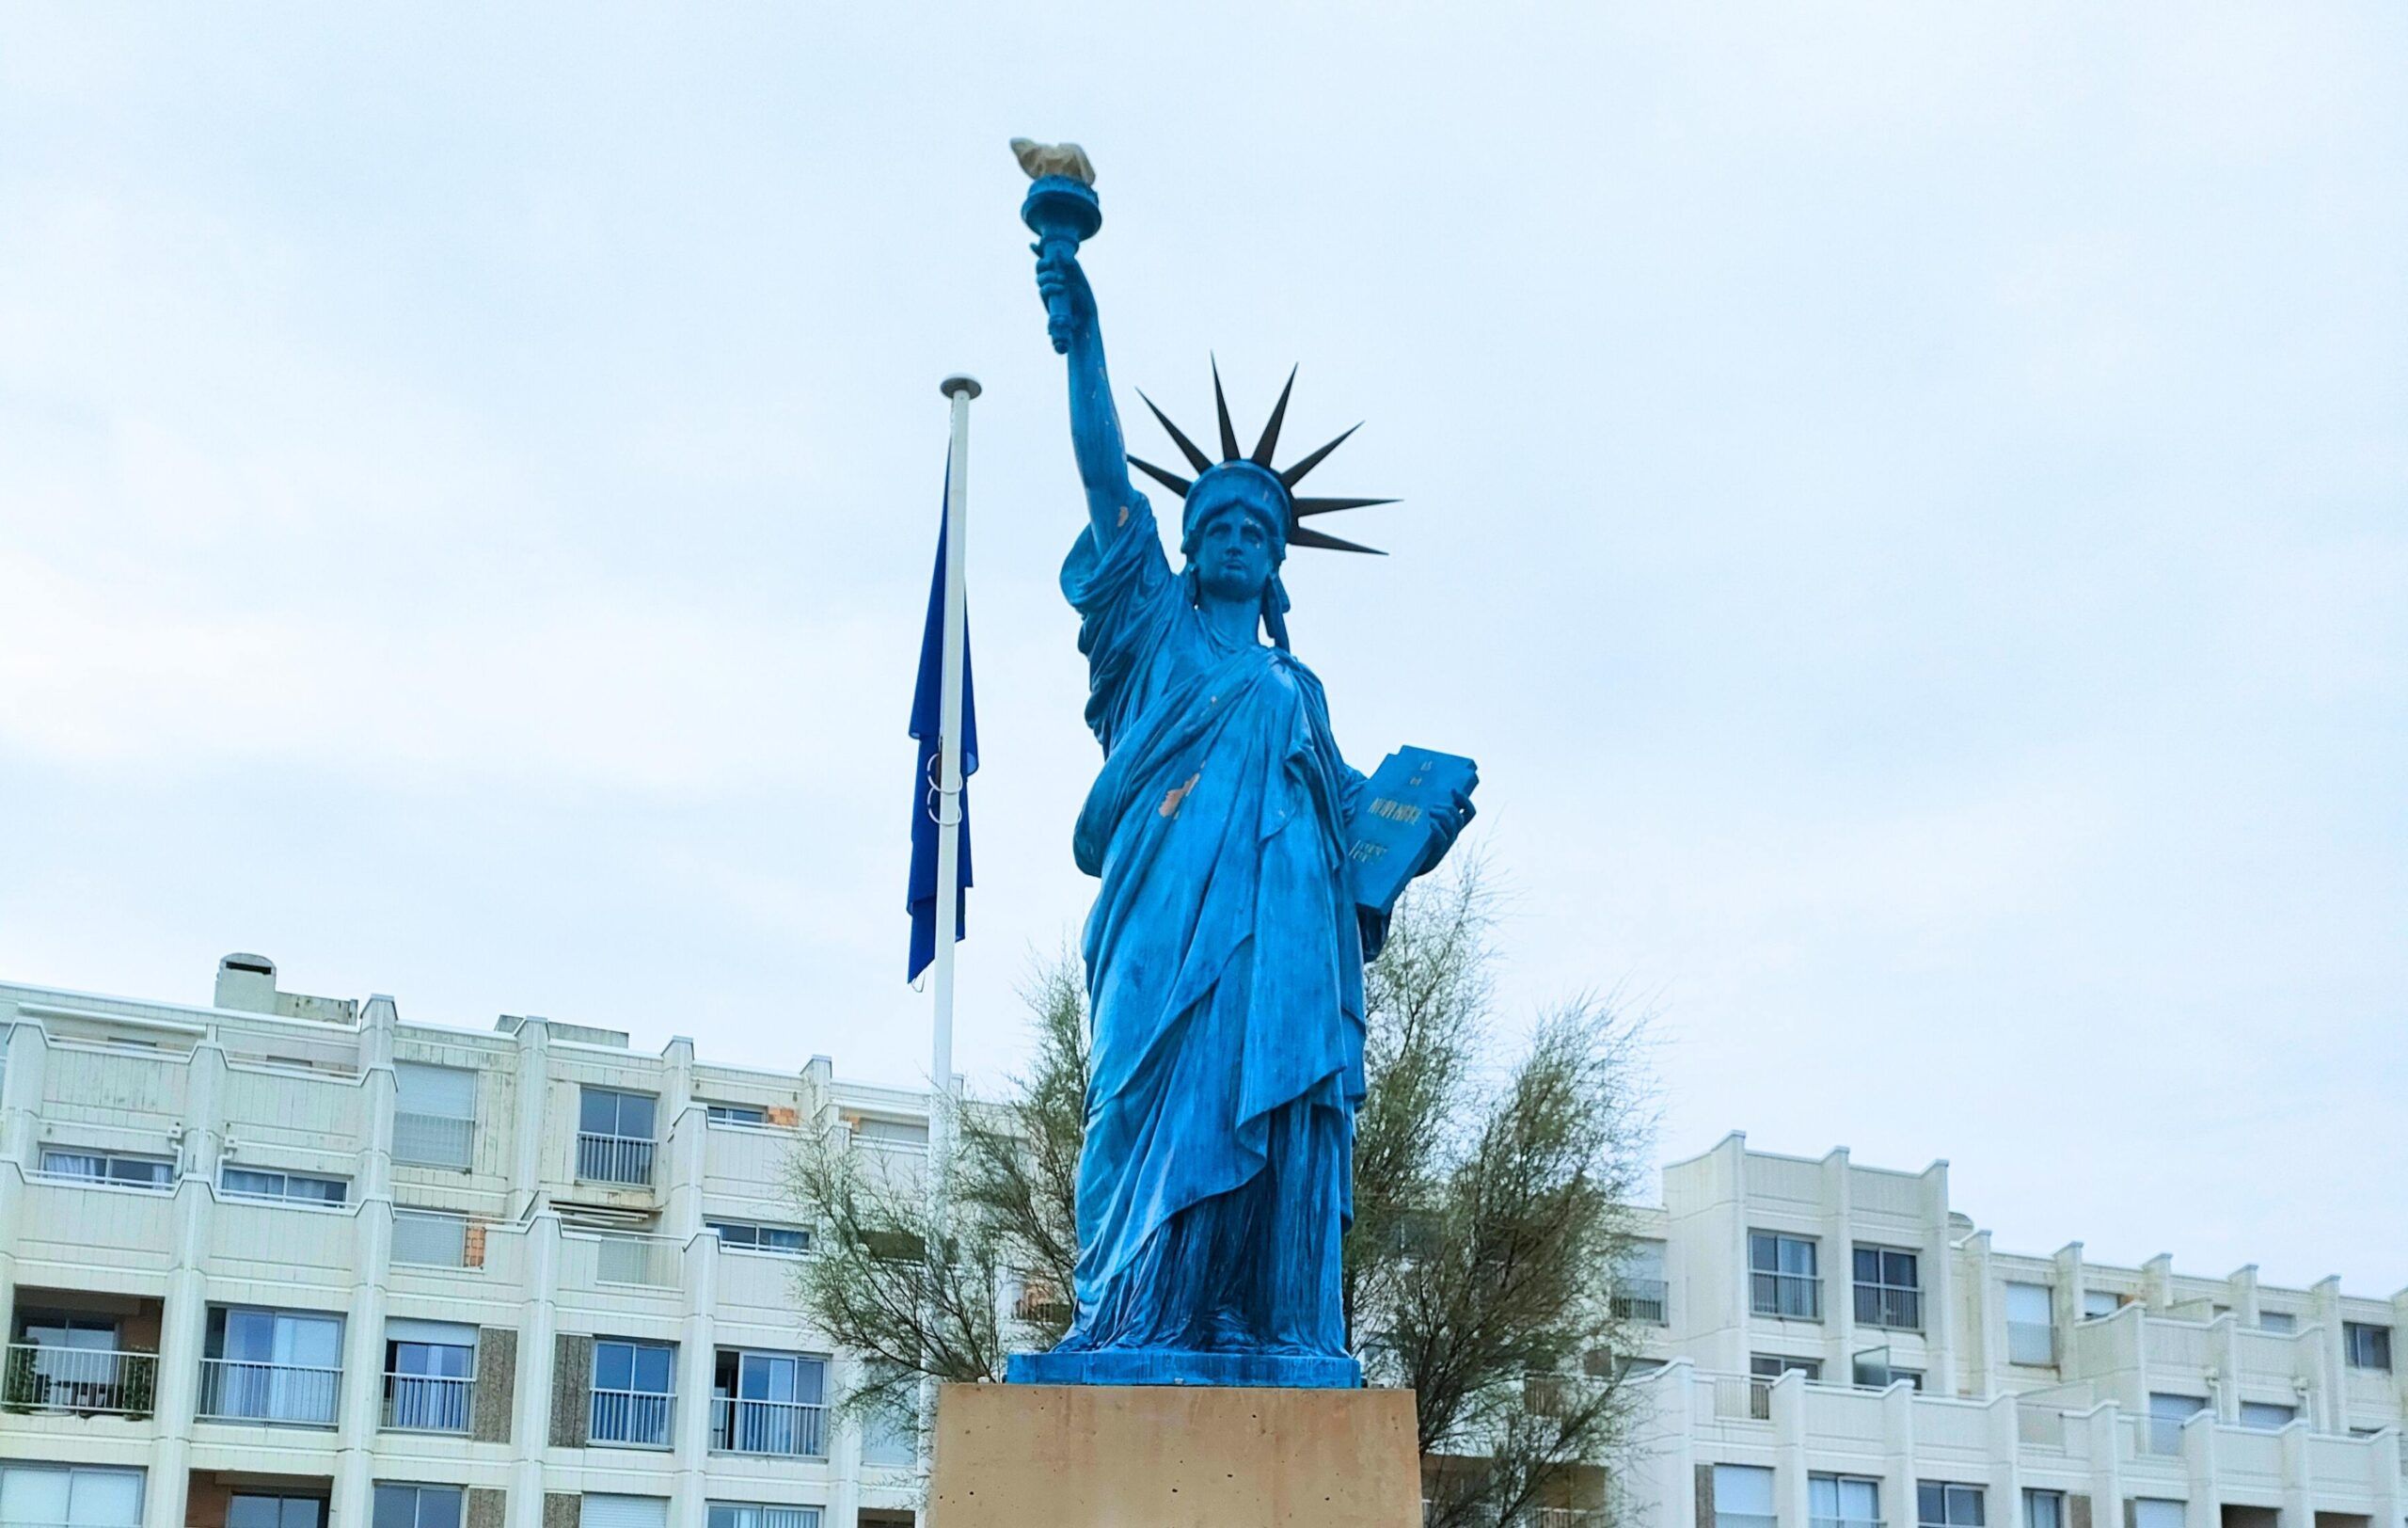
(928, 726)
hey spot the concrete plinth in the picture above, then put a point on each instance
(1171, 1456)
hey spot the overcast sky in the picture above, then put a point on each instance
(1905, 505)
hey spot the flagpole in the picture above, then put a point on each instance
(961, 390)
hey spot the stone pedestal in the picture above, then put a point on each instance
(1172, 1457)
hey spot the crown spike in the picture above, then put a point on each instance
(1221, 402)
(1325, 542)
(1269, 441)
(1324, 506)
(1297, 474)
(1170, 480)
(1195, 459)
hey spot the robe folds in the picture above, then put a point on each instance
(1225, 976)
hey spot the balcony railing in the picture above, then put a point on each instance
(87, 1381)
(613, 1159)
(238, 1390)
(430, 1241)
(428, 1403)
(1640, 1299)
(1796, 1297)
(2161, 1436)
(636, 1418)
(629, 1258)
(434, 1140)
(1884, 1305)
(1565, 1516)
(789, 1428)
(2032, 1342)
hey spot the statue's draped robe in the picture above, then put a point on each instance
(1225, 970)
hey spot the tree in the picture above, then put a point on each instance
(1491, 1204)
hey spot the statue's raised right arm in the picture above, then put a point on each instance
(1095, 424)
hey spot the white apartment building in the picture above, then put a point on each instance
(1831, 1345)
(286, 1262)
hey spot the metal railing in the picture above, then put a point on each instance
(85, 1380)
(795, 1428)
(613, 1159)
(1885, 1305)
(1565, 1516)
(1844, 1522)
(434, 1140)
(1797, 1297)
(428, 1403)
(637, 1418)
(239, 1390)
(2161, 1436)
(430, 1241)
(1737, 1396)
(1640, 1299)
(2031, 1342)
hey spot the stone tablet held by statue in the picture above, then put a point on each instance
(1396, 828)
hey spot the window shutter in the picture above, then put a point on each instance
(444, 1091)
(598, 1510)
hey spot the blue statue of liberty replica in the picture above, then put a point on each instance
(1225, 951)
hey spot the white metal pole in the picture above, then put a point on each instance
(961, 390)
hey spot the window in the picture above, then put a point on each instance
(1941, 1503)
(1638, 1287)
(2098, 1302)
(2271, 1415)
(599, 1510)
(633, 1385)
(2365, 1346)
(2167, 1414)
(2155, 1512)
(108, 1167)
(295, 1187)
(262, 1509)
(430, 1369)
(1888, 1291)
(1781, 1281)
(768, 1403)
(2044, 1509)
(2277, 1321)
(72, 1497)
(735, 1114)
(271, 1366)
(1844, 1502)
(789, 1240)
(1742, 1496)
(1770, 1366)
(759, 1514)
(890, 1434)
(893, 1135)
(416, 1507)
(435, 1115)
(614, 1136)
(2031, 1325)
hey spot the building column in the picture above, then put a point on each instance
(2157, 1282)
(526, 1122)
(2223, 1386)
(1836, 1263)
(697, 1360)
(2205, 1507)
(2106, 1424)
(1791, 1498)
(2073, 1293)
(844, 1444)
(1940, 1296)
(360, 1413)
(2299, 1505)
(1986, 1334)
(2389, 1490)
(689, 1143)
(1900, 1469)
(2241, 1293)
(2003, 1442)
(183, 1316)
(530, 1423)
(1737, 1334)
(25, 1048)
(2332, 1370)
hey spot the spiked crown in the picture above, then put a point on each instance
(1258, 462)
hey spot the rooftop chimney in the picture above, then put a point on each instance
(246, 982)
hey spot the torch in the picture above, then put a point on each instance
(1061, 209)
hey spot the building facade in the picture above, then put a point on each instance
(286, 1262)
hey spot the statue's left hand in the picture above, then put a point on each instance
(1450, 820)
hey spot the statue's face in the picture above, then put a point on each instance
(1232, 554)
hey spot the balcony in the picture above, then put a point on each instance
(1791, 1296)
(631, 1418)
(620, 1159)
(428, 1403)
(235, 1390)
(82, 1381)
(1640, 1299)
(792, 1428)
(1888, 1306)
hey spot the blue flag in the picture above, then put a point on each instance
(927, 725)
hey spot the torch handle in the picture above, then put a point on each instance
(1057, 306)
